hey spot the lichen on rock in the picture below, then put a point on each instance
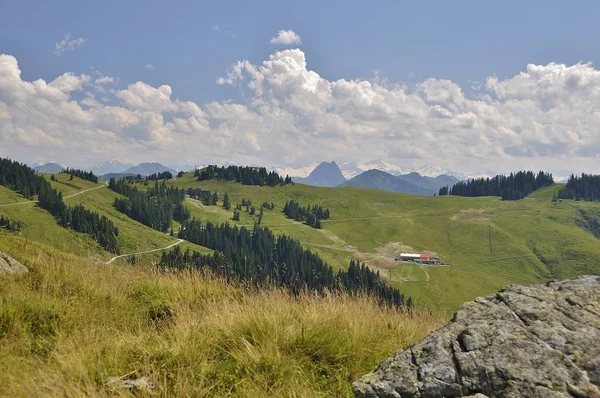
(9, 265)
(524, 341)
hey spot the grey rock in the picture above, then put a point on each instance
(142, 383)
(524, 341)
(9, 265)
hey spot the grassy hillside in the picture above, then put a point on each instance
(71, 324)
(41, 226)
(532, 240)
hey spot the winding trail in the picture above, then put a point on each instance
(65, 197)
(145, 252)
(84, 191)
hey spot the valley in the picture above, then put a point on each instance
(532, 240)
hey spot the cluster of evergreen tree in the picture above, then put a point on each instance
(208, 198)
(259, 257)
(11, 225)
(226, 202)
(156, 208)
(584, 187)
(311, 215)
(100, 228)
(165, 175)
(85, 175)
(512, 187)
(22, 178)
(243, 174)
(268, 206)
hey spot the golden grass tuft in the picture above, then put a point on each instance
(71, 324)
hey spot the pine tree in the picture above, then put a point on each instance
(226, 202)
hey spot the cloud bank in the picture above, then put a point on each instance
(545, 116)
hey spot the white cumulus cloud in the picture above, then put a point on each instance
(68, 44)
(148, 67)
(286, 37)
(547, 116)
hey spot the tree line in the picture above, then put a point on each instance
(311, 215)
(251, 210)
(259, 257)
(243, 174)
(512, 187)
(156, 207)
(208, 198)
(584, 187)
(11, 225)
(165, 175)
(28, 183)
(85, 175)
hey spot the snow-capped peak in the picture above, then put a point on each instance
(296, 171)
(352, 169)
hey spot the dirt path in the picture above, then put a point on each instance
(145, 252)
(84, 191)
(65, 197)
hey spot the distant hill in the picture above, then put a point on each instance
(377, 179)
(326, 174)
(49, 168)
(430, 183)
(110, 167)
(145, 169)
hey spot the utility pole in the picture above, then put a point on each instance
(490, 237)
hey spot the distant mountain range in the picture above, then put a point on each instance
(324, 175)
(53, 168)
(412, 183)
(352, 169)
(145, 169)
(328, 174)
(110, 167)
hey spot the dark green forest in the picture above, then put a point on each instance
(311, 215)
(85, 175)
(29, 184)
(260, 258)
(243, 174)
(512, 187)
(165, 175)
(156, 208)
(584, 187)
(208, 198)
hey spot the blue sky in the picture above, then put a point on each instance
(404, 41)
(190, 44)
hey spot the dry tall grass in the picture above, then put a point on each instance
(71, 324)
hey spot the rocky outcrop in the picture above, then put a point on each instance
(534, 341)
(9, 265)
